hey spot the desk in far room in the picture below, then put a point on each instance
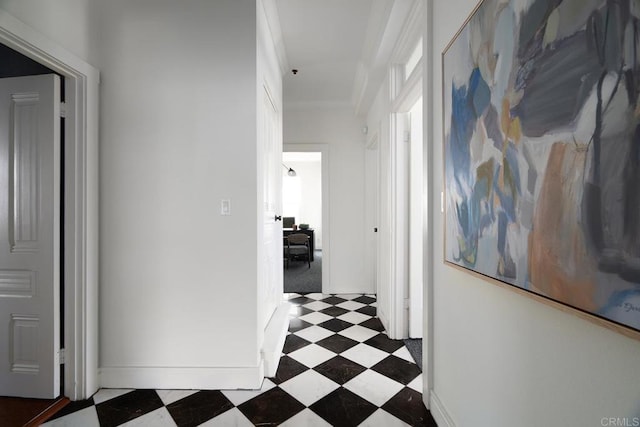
(309, 232)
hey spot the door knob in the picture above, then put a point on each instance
(278, 218)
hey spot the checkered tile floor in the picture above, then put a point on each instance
(338, 368)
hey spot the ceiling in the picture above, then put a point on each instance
(339, 47)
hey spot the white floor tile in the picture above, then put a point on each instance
(309, 387)
(354, 317)
(170, 396)
(317, 305)
(238, 397)
(105, 394)
(349, 296)
(416, 384)
(374, 387)
(358, 333)
(305, 418)
(316, 296)
(314, 333)
(365, 355)
(231, 418)
(403, 353)
(291, 295)
(383, 418)
(350, 305)
(312, 355)
(87, 417)
(315, 317)
(158, 418)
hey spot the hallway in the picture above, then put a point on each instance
(337, 368)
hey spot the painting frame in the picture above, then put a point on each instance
(580, 281)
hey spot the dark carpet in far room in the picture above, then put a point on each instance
(301, 279)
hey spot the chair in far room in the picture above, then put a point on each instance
(297, 247)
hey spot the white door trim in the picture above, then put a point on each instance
(430, 196)
(80, 204)
(326, 224)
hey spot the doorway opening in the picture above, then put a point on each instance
(80, 201)
(302, 215)
(32, 149)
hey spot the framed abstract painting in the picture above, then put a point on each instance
(541, 120)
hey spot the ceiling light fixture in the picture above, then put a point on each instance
(290, 172)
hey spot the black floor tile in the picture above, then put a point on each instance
(271, 408)
(199, 407)
(336, 325)
(398, 369)
(293, 343)
(368, 310)
(337, 343)
(343, 408)
(383, 342)
(408, 406)
(365, 299)
(334, 300)
(287, 369)
(334, 311)
(301, 300)
(296, 324)
(340, 369)
(373, 323)
(125, 408)
(73, 406)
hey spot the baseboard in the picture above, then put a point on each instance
(174, 378)
(439, 412)
(274, 336)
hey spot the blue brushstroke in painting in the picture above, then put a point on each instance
(468, 104)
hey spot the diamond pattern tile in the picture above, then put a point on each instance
(312, 355)
(275, 406)
(338, 368)
(343, 408)
(334, 311)
(382, 342)
(309, 386)
(337, 343)
(407, 405)
(199, 407)
(398, 369)
(127, 407)
(293, 342)
(336, 325)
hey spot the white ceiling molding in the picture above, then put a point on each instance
(411, 32)
(386, 26)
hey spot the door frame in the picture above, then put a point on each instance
(326, 233)
(80, 204)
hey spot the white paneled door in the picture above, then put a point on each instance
(30, 236)
(272, 205)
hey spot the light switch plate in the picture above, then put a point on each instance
(225, 207)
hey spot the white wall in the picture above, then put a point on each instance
(501, 359)
(178, 280)
(342, 131)
(302, 194)
(67, 22)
